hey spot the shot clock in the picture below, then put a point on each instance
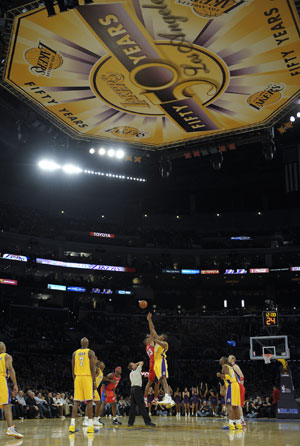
(270, 318)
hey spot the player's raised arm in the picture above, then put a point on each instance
(11, 371)
(151, 325)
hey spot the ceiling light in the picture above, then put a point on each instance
(111, 153)
(298, 114)
(102, 151)
(292, 119)
(92, 151)
(120, 154)
(49, 165)
(71, 169)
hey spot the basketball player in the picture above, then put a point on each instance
(110, 397)
(232, 398)
(240, 378)
(100, 366)
(7, 370)
(149, 342)
(83, 370)
(160, 362)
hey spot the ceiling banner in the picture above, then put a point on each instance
(157, 72)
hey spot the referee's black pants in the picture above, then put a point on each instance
(137, 399)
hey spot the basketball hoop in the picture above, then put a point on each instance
(267, 357)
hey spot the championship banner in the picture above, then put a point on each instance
(157, 72)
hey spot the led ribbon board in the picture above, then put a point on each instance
(8, 282)
(120, 269)
(156, 72)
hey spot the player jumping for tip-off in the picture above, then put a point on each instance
(160, 361)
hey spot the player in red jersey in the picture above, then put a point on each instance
(108, 394)
(149, 342)
(240, 378)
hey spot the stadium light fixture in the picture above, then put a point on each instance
(298, 114)
(70, 169)
(102, 151)
(243, 303)
(111, 153)
(292, 118)
(225, 303)
(120, 154)
(49, 165)
(92, 151)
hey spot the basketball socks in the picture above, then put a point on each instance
(231, 421)
(90, 422)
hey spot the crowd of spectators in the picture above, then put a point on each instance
(42, 404)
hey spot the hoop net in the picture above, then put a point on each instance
(267, 357)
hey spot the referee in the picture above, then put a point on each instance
(136, 393)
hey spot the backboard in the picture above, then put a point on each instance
(275, 345)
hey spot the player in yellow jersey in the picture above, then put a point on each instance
(83, 370)
(7, 370)
(100, 366)
(160, 361)
(232, 398)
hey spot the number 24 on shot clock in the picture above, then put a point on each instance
(270, 318)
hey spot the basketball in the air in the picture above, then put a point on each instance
(143, 304)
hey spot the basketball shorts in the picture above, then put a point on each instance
(83, 388)
(4, 391)
(152, 376)
(161, 369)
(110, 396)
(233, 397)
(242, 394)
(96, 395)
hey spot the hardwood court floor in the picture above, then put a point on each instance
(170, 431)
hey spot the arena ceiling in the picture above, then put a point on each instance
(157, 73)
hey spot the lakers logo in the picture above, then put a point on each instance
(127, 132)
(43, 60)
(212, 8)
(269, 96)
(190, 72)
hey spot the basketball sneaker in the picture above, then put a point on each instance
(167, 401)
(116, 422)
(230, 427)
(244, 423)
(72, 429)
(98, 422)
(239, 426)
(90, 430)
(11, 432)
(85, 421)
